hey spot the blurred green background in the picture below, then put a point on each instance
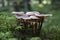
(50, 29)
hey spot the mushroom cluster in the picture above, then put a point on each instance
(32, 20)
(30, 15)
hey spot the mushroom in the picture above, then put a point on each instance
(33, 17)
(18, 13)
(30, 13)
(33, 13)
(44, 15)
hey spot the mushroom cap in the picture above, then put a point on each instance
(20, 13)
(23, 16)
(44, 15)
(32, 13)
(27, 18)
(33, 17)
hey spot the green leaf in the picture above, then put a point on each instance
(19, 27)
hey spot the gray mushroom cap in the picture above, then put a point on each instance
(32, 13)
(44, 15)
(19, 17)
(33, 17)
(20, 13)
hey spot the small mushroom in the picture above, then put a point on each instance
(30, 13)
(33, 17)
(26, 18)
(33, 13)
(18, 13)
(21, 17)
(44, 15)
